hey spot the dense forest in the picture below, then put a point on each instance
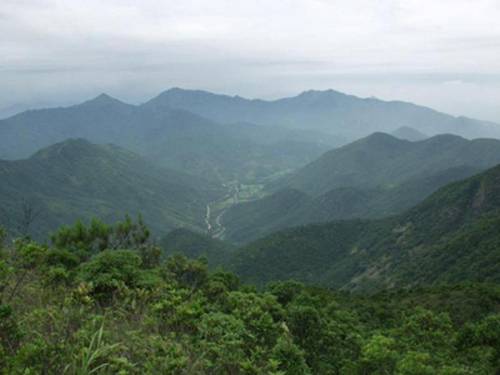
(102, 299)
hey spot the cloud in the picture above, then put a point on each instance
(59, 47)
(455, 82)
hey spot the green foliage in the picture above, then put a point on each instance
(188, 274)
(3, 235)
(92, 358)
(98, 236)
(109, 313)
(379, 355)
(290, 359)
(112, 270)
(5, 269)
(79, 238)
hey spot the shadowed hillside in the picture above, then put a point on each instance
(76, 179)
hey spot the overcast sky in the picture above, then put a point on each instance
(440, 53)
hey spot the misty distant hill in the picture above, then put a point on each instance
(76, 179)
(174, 138)
(225, 138)
(328, 111)
(381, 160)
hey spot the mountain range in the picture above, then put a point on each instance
(170, 137)
(327, 111)
(226, 138)
(374, 177)
(186, 160)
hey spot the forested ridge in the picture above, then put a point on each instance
(451, 236)
(100, 299)
(373, 177)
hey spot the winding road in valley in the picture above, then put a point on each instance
(215, 227)
(207, 219)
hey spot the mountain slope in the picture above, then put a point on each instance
(451, 236)
(373, 177)
(76, 179)
(196, 245)
(328, 111)
(381, 160)
(287, 208)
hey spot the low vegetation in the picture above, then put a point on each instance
(99, 300)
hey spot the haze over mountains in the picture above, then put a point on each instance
(170, 137)
(327, 111)
(225, 141)
(344, 117)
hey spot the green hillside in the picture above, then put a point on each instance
(289, 207)
(195, 245)
(381, 160)
(373, 177)
(79, 180)
(451, 236)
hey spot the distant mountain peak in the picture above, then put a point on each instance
(76, 146)
(445, 137)
(181, 91)
(381, 137)
(320, 93)
(102, 100)
(409, 134)
(174, 90)
(103, 97)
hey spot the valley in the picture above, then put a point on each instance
(236, 193)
